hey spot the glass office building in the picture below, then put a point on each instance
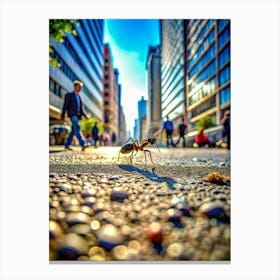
(208, 69)
(173, 69)
(80, 58)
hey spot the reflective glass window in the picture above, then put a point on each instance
(224, 56)
(224, 37)
(224, 75)
(225, 95)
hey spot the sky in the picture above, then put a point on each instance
(129, 40)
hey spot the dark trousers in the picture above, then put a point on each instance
(169, 138)
(184, 140)
(228, 140)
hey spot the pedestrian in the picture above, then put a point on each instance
(168, 127)
(73, 105)
(201, 139)
(113, 139)
(226, 129)
(182, 132)
(106, 138)
(94, 134)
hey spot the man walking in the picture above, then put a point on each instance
(182, 132)
(73, 105)
(168, 127)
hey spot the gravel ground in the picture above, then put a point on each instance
(106, 211)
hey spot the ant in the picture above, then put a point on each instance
(133, 146)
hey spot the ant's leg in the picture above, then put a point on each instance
(148, 151)
(118, 157)
(130, 138)
(130, 157)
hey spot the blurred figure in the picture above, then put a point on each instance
(106, 138)
(168, 127)
(182, 132)
(226, 125)
(73, 105)
(201, 139)
(94, 134)
(113, 139)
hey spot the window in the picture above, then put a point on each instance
(208, 104)
(224, 37)
(224, 56)
(106, 77)
(205, 90)
(206, 57)
(225, 95)
(224, 75)
(207, 72)
(222, 23)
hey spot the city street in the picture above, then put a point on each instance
(101, 209)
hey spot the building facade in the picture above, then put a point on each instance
(173, 72)
(80, 58)
(110, 94)
(154, 91)
(208, 70)
(142, 111)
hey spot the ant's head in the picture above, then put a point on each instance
(153, 141)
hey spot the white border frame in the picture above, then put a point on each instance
(255, 111)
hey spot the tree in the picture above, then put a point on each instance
(58, 29)
(205, 122)
(87, 125)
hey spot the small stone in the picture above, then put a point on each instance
(81, 229)
(120, 252)
(174, 216)
(97, 254)
(222, 164)
(212, 210)
(74, 218)
(118, 196)
(88, 193)
(89, 201)
(55, 229)
(73, 247)
(109, 236)
(175, 250)
(114, 177)
(155, 233)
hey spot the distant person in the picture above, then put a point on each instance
(73, 105)
(94, 135)
(168, 127)
(182, 132)
(106, 138)
(226, 125)
(113, 138)
(201, 139)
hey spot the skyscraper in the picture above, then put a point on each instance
(142, 111)
(111, 94)
(154, 96)
(208, 69)
(173, 101)
(80, 58)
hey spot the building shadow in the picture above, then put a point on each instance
(149, 175)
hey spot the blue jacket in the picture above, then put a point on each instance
(168, 125)
(71, 106)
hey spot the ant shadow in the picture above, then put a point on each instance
(149, 175)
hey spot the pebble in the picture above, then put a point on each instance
(212, 210)
(155, 233)
(118, 196)
(74, 218)
(109, 236)
(124, 218)
(73, 247)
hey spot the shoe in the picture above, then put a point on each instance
(68, 148)
(85, 147)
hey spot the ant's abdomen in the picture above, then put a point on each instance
(127, 148)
